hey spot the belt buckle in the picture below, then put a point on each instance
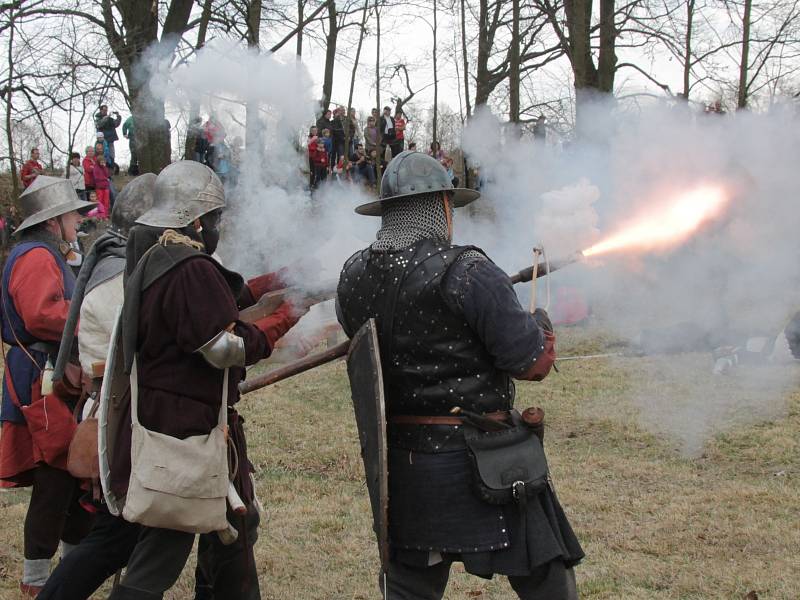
(518, 489)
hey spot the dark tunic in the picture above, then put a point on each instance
(179, 392)
(458, 333)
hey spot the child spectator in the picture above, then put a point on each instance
(313, 137)
(399, 133)
(313, 140)
(328, 141)
(106, 150)
(102, 186)
(76, 176)
(321, 162)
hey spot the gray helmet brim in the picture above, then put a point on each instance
(184, 191)
(166, 218)
(461, 197)
(79, 205)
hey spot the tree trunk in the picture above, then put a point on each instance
(591, 83)
(687, 58)
(152, 137)
(330, 56)
(435, 75)
(194, 107)
(9, 133)
(607, 58)
(466, 59)
(348, 133)
(252, 128)
(300, 7)
(484, 46)
(743, 67)
(513, 70)
(378, 168)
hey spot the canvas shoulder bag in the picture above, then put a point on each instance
(178, 484)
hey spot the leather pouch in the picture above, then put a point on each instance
(508, 465)
(82, 460)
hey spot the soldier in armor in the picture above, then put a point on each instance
(96, 300)
(37, 287)
(452, 337)
(181, 320)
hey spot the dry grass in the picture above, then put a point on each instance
(655, 523)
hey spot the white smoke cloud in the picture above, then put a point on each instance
(735, 278)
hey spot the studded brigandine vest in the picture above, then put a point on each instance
(432, 360)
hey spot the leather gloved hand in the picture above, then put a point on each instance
(543, 319)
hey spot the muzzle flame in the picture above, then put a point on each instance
(668, 226)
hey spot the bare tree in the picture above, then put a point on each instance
(330, 56)
(465, 58)
(8, 91)
(435, 73)
(514, 66)
(348, 133)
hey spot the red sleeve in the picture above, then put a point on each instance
(269, 282)
(541, 367)
(278, 323)
(37, 289)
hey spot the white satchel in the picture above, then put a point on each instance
(178, 484)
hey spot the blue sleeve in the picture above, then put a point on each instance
(483, 293)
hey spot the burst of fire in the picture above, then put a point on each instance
(668, 226)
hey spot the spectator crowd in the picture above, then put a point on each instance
(339, 149)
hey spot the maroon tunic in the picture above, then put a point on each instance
(179, 392)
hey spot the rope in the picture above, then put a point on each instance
(170, 236)
(537, 252)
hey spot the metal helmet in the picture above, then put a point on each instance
(47, 198)
(184, 191)
(412, 173)
(133, 201)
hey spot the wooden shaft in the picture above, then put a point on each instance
(295, 368)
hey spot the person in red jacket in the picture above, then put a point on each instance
(313, 140)
(88, 170)
(102, 187)
(31, 169)
(400, 133)
(36, 292)
(321, 162)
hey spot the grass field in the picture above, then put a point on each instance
(655, 522)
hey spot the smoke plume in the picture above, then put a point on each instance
(736, 278)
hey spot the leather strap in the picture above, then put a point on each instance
(500, 415)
